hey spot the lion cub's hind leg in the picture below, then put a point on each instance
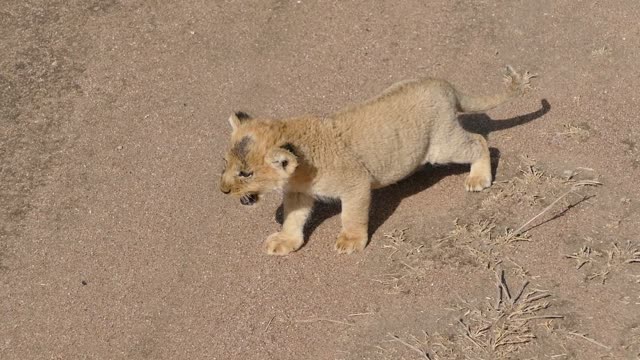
(480, 175)
(459, 146)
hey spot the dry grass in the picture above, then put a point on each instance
(429, 346)
(406, 258)
(483, 242)
(580, 131)
(479, 243)
(557, 330)
(397, 241)
(534, 188)
(496, 332)
(603, 263)
(583, 256)
(503, 328)
(528, 190)
(533, 185)
(482, 232)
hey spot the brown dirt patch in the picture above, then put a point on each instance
(115, 243)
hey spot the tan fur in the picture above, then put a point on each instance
(363, 147)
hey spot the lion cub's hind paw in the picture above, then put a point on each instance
(477, 183)
(282, 244)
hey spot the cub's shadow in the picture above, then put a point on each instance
(386, 200)
(482, 124)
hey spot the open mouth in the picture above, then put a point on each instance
(249, 199)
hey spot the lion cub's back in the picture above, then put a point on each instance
(390, 133)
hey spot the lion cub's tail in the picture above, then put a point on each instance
(516, 83)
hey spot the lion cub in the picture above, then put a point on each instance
(363, 147)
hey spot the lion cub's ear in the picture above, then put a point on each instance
(238, 118)
(282, 160)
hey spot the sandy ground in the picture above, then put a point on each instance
(116, 244)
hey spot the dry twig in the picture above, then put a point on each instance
(398, 339)
(324, 319)
(575, 186)
(585, 337)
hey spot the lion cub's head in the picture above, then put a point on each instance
(258, 160)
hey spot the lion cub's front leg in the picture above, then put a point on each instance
(355, 222)
(297, 207)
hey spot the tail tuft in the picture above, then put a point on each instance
(517, 84)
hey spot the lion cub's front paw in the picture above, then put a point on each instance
(348, 243)
(282, 244)
(477, 182)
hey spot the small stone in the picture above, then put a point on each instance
(119, 147)
(84, 282)
(568, 174)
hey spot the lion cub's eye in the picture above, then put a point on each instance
(245, 174)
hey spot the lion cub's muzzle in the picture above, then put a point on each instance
(249, 199)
